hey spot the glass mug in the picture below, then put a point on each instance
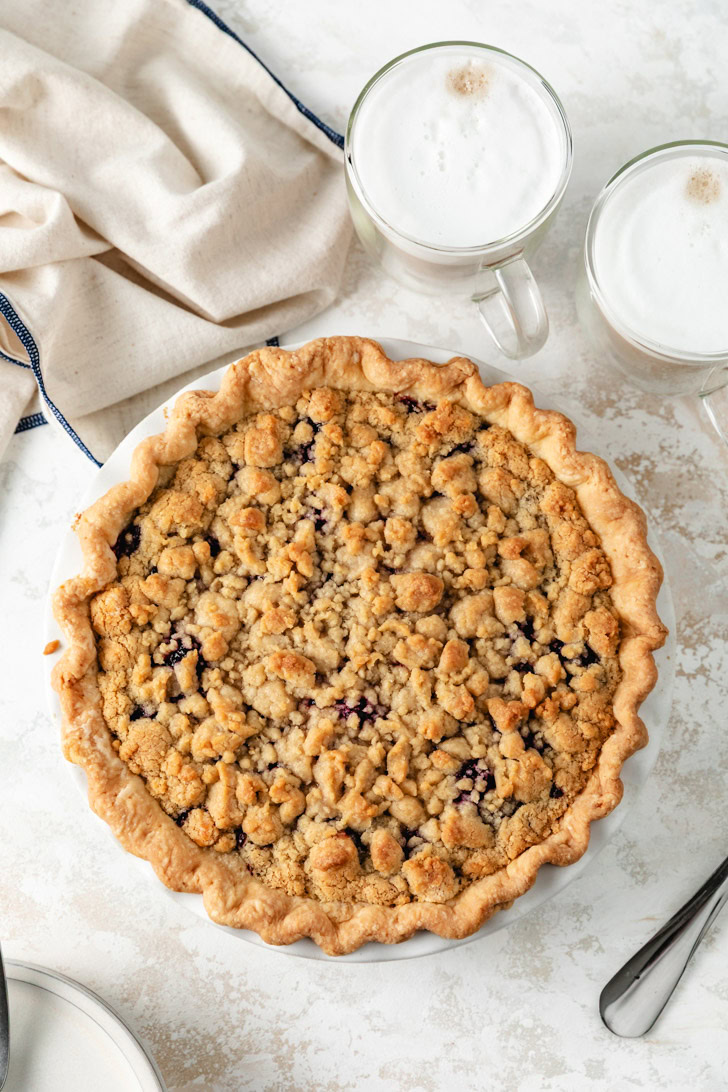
(494, 273)
(649, 361)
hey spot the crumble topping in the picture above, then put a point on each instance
(364, 643)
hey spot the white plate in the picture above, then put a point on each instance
(550, 880)
(63, 1036)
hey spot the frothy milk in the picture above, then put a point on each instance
(457, 149)
(660, 253)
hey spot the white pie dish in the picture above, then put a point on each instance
(550, 880)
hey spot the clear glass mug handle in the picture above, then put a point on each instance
(715, 399)
(510, 305)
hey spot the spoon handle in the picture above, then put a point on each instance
(632, 1000)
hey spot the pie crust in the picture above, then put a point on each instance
(448, 881)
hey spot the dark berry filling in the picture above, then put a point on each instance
(304, 452)
(584, 659)
(477, 772)
(530, 741)
(363, 709)
(128, 541)
(526, 630)
(240, 837)
(319, 520)
(412, 841)
(182, 816)
(181, 644)
(463, 449)
(139, 711)
(412, 405)
(213, 544)
(587, 657)
(556, 793)
(356, 839)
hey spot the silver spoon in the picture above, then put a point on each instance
(4, 1026)
(631, 1001)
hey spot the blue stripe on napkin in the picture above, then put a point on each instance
(334, 137)
(27, 341)
(11, 360)
(34, 420)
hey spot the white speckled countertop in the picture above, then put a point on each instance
(517, 1010)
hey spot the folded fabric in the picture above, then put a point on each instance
(164, 204)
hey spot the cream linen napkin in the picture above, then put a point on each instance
(164, 203)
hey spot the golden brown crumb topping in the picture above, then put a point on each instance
(366, 643)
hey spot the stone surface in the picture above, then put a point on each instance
(517, 1010)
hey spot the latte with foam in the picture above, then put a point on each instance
(660, 252)
(457, 148)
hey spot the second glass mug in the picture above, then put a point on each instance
(495, 274)
(649, 365)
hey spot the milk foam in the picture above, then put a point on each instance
(456, 149)
(661, 253)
